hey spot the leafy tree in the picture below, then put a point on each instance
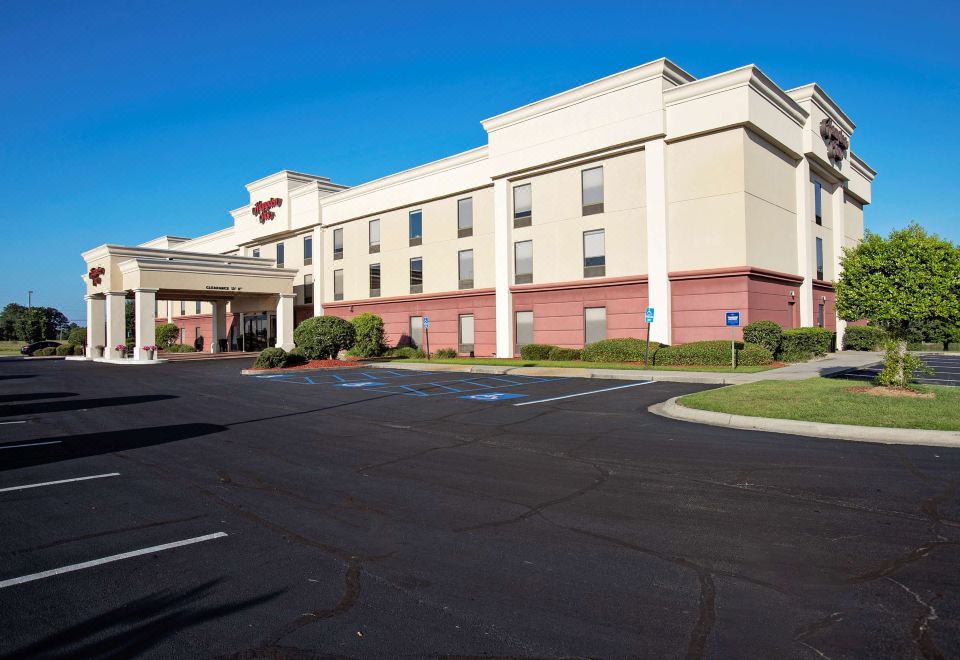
(129, 318)
(31, 325)
(322, 337)
(166, 334)
(900, 283)
(77, 335)
(55, 321)
(8, 320)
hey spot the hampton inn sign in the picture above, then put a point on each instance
(262, 209)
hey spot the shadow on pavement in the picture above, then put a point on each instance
(18, 376)
(91, 444)
(30, 396)
(136, 627)
(79, 404)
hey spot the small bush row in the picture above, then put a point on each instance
(712, 353)
(405, 353)
(180, 348)
(276, 358)
(864, 338)
(789, 345)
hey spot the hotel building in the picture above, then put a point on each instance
(647, 188)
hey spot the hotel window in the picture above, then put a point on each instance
(819, 258)
(818, 202)
(416, 227)
(156, 308)
(307, 289)
(591, 184)
(197, 307)
(465, 217)
(524, 329)
(522, 206)
(183, 308)
(523, 262)
(416, 275)
(594, 257)
(338, 243)
(594, 324)
(256, 252)
(373, 236)
(307, 250)
(820, 315)
(338, 285)
(374, 280)
(465, 345)
(465, 268)
(416, 330)
(279, 255)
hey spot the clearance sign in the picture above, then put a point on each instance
(263, 209)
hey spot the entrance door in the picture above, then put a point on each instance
(254, 332)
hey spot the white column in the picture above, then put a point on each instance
(218, 324)
(804, 239)
(116, 334)
(145, 321)
(658, 242)
(319, 270)
(839, 232)
(501, 255)
(285, 320)
(96, 323)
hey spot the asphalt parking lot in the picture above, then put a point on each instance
(183, 510)
(945, 366)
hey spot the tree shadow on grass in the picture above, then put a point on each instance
(136, 627)
(44, 407)
(65, 448)
(30, 396)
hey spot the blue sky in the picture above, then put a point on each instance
(125, 120)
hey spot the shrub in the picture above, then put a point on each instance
(368, 335)
(565, 354)
(953, 346)
(899, 368)
(445, 353)
(712, 353)
(766, 333)
(624, 349)
(50, 350)
(536, 351)
(77, 337)
(271, 358)
(323, 337)
(799, 344)
(405, 353)
(295, 357)
(165, 334)
(79, 350)
(64, 349)
(924, 346)
(180, 348)
(864, 338)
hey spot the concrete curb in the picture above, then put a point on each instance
(891, 436)
(293, 372)
(699, 377)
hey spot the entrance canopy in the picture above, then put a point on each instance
(116, 272)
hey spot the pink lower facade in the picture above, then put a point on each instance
(699, 299)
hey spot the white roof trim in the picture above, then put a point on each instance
(813, 92)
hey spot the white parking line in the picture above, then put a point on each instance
(19, 421)
(570, 396)
(33, 444)
(106, 560)
(61, 481)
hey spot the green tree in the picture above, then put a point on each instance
(900, 283)
(8, 320)
(322, 337)
(31, 325)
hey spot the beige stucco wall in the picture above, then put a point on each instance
(770, 205)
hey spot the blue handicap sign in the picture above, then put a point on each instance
(648, 315)
(363, 383)
(733, 318)
(426, 322)
(493, 396)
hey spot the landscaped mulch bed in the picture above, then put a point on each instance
(315, 364)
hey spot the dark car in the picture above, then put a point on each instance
(36, 346)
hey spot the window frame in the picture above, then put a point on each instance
(375, 292)
(308, 248)
(418, 239)
(516, 329)
(595, 269)
(416, 287)
(281, 254)
(522, 218)
(196, 309)
(337, 254)
(818, 203)
(338, 295)
(256, 252)
(307, 288)
(586, 325)
(463, 232)
(373, 247)
(415, 344)
(465, 283)
(818, 256)
(463, 347)
(595, 207)
(518, 277)
(183, 308)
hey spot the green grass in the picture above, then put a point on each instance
(829, 400)
(10, 347)
(575, 364)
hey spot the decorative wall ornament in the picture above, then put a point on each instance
(95, 274)
(262, 209)
(836, 140)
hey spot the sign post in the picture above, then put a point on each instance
(648, 317)
(426, 334)
(733, 321)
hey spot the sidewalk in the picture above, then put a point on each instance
(831, 364)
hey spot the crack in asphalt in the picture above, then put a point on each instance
(893, 565)
(108, 532)
(921, 627)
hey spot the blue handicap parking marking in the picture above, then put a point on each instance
(493, 396)
(362, 383)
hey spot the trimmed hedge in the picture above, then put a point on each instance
(565, 354)
(536, 351)
(50, 350)
(367, 335)
(165, 335)
(323, 337)
(765, 333)
(271, 358)
(799, 344)
(864, 338)
(445, 353)
(78, 350)
(405, 353)
(712, 353)
(295, 357)
(623, 349)
(924, 346)
(180, 348)
(64, 349)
